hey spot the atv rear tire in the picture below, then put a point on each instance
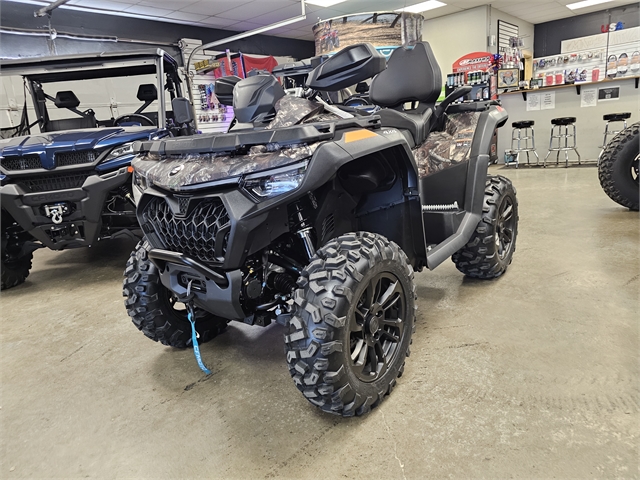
(490, 250)
(15, 262)
(152, 307)
(352, 322)
(618, 167)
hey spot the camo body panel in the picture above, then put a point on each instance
(448, 148)
(294, 110)
(179, 171)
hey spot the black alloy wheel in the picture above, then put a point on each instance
(376, 327)
(505, 228)
(490, 249)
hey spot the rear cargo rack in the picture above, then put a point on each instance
(232, 142)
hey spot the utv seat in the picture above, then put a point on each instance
(68, 99)
(412, 75)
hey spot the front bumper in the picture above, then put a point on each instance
(82, 224)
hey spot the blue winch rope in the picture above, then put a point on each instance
(194, 340)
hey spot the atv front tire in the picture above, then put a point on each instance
(490, 250)
(352, 322)
(153, 309)
(15, 262)
(618, 168)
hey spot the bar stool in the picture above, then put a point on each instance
(529, 135)
(609, 118)
(558, 123)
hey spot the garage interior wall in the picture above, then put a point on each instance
(549, 35)
(526, 29)
(477, 24)
(448, 48)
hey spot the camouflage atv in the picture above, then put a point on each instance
(316, 217)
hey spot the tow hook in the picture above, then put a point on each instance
(56, 211)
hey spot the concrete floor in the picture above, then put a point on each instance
(532, 375)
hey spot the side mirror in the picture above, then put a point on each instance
(182, 111)
(224, 89)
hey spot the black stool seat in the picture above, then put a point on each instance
(616, 117)
(563, 121)
(523, 124)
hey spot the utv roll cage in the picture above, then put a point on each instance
(39, 71)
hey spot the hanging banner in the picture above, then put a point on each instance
(385, 31)
(473, 62)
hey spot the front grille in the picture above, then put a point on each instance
(49, 182)
(183, 205)
(64, 159)
(26, 162)
(194, 235)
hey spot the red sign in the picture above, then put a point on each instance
(473, 62)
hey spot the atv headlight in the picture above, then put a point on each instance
(272, 183)
(140, 181)
(121, 151)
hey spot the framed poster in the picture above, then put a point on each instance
(508, 77)
(608, 93)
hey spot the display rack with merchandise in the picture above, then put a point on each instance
(211, 115)
(592, 59)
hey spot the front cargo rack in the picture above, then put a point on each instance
(237, 141)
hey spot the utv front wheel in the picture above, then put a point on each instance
(490, 250)
(154, 309)
(15, 262)
(352, 322)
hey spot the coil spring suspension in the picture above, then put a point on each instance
(303, 228)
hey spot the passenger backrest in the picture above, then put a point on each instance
(68, 99)
(412, 75)
(147, 92)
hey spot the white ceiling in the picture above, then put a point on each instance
(242, 15)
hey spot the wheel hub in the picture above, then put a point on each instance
(373, 325)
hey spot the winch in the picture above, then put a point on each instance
(56, 211)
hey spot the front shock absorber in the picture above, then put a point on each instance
(302, 227)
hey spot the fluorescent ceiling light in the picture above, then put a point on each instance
(424, 6)
(324, 3)
(586, 3)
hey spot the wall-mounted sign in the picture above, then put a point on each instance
(612, 27)
(473, 62)
(385, 31)
(608, 93)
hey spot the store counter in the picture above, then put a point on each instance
(585, 101)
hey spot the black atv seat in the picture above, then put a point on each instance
(564, 121)
(616, 117)
(523, 124)
(412, 75)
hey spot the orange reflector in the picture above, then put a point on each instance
(358, 135)
(130, 169)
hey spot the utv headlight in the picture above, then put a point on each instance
(272, 183)
(121, 151)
